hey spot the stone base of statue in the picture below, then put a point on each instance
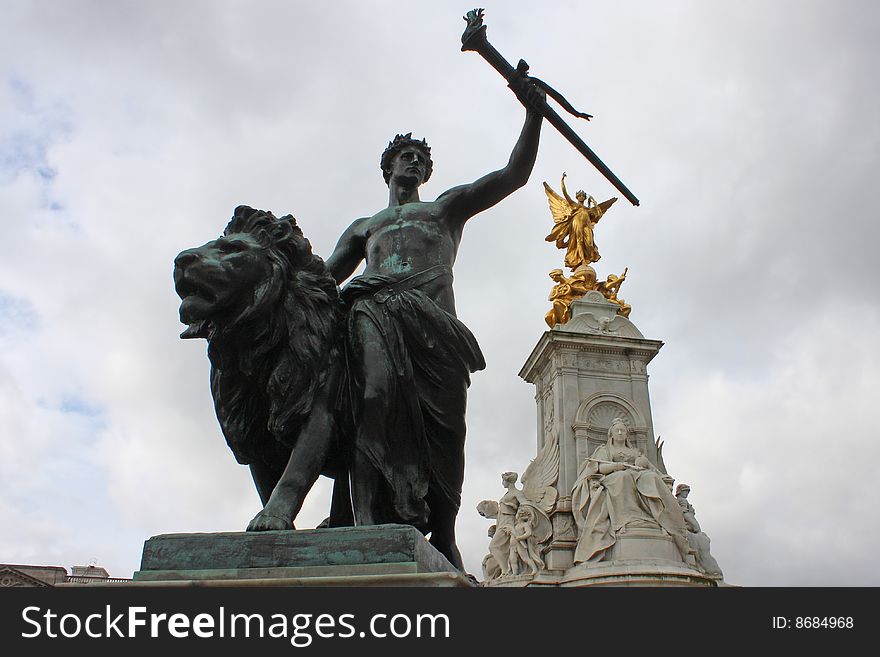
(641, 556)
(632, 573)
(596, 507)
(383, 555)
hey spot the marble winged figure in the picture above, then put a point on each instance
(540, 476)
(510, 544)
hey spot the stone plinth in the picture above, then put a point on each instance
(586, 373)
(644, 542)
(389, 555)
(634, 573)
(594, 421)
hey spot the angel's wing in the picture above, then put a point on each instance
(660, 464)
(541, 475)
(562, 214)
(559, 207)
(603, 207)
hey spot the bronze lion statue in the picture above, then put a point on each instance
(271, 313)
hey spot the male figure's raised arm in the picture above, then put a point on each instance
(349, 251)
(465, 201)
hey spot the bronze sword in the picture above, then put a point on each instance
(474, 38)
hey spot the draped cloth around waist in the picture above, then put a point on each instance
(427, 356)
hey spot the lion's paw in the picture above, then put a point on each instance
(264, 522)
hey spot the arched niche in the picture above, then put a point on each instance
(593, 419)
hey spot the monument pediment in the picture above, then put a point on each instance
(595, 314)
(10, 577)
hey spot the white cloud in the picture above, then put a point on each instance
(780, 463)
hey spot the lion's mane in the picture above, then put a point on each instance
(269, 360)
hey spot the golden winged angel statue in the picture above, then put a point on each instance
(573, 223)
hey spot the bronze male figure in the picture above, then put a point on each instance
(370, 388)
(409, 357)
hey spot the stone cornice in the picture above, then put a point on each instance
(594, 343)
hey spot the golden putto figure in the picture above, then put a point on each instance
(566, 290)
(573, 224)
(609, 289)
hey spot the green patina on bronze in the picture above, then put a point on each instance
(375, 550)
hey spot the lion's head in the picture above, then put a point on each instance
(269, 310)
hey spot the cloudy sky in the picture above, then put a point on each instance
(749, 130)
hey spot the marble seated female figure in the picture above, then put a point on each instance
(619, 488)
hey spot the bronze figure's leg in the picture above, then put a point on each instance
(443, 411)
(372, 374)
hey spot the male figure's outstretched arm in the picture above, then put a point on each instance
(463, 202)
